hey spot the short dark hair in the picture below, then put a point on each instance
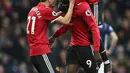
(42, 0)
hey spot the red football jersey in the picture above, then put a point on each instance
(82, 21)
(37, 24)
(79, 1)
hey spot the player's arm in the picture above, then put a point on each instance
(93, 27)
(53, 16)
(67, 18)
(91, 23)
(114, 39)
(58, 32)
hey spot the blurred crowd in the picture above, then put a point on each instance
(14, 50)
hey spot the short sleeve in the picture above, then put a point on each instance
(49, 14)
(109, 30)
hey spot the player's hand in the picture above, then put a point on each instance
(108, 52)
(97, 58)
(51, 40)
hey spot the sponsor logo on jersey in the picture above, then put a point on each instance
(54, 13)
(88, 13)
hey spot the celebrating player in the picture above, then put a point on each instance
(80, 53)
(37, 23)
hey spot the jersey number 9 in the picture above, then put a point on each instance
(89, 62)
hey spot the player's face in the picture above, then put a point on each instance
(53, 2)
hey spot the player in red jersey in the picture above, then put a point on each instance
(37, 24)
(80, 53)
(107, 67)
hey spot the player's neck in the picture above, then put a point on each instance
(46, 3)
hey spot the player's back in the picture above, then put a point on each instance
(83, 21)
(79, 29)
(37, 31)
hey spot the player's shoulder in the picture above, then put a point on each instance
(42, 8)
(106, 26)
(82, 7)
(100, 26)
(45, 9)
(31, 11)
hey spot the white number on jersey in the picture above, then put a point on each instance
(89, 62)
(33, 19)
